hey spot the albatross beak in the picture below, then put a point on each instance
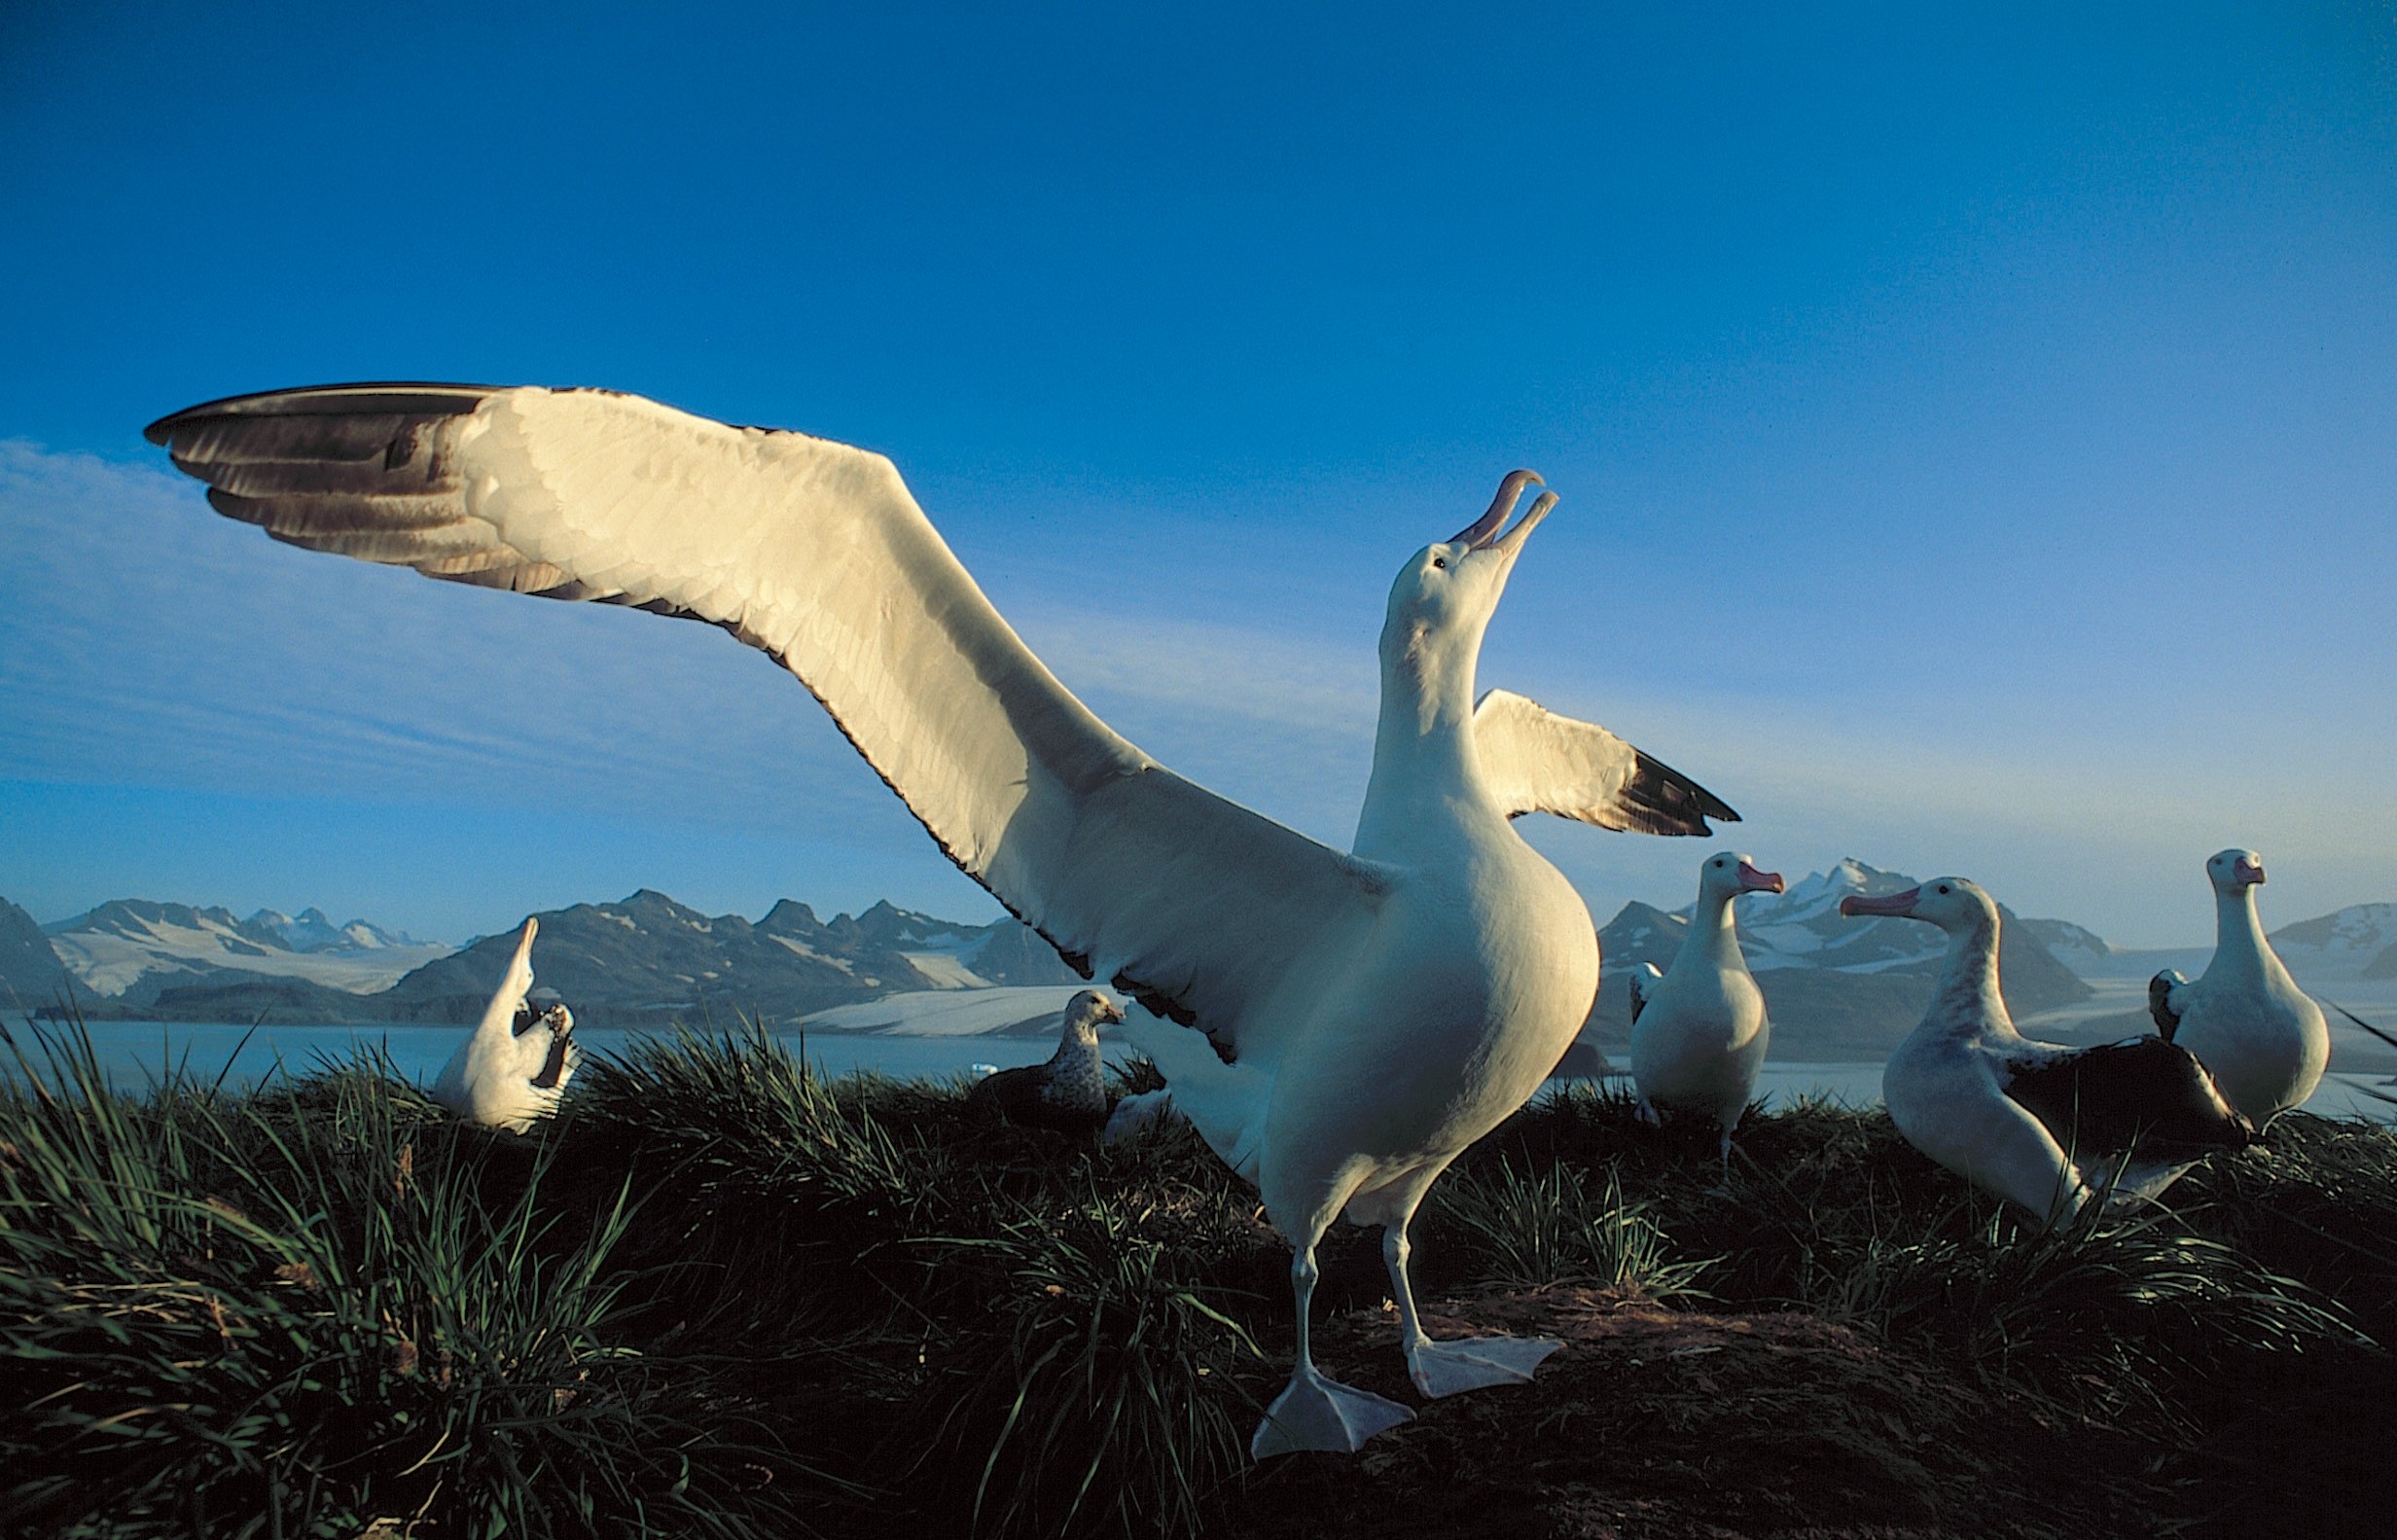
(1512, 542)
(2248, 874)
(1895, 904)
(1483, 533)
(1751, 879)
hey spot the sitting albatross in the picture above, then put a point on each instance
(1067, 1094)
(514, 1067)
(2036, 1123)
(1699, 1029)
(2245, 1019)
(1367, 1014)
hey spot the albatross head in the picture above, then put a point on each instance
(1446, 594)
(2231, 870)
(1951, 902)
(1734, 873)
(1084, 1013)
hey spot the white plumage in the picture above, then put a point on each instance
(2244, 1018)
(1699, 1029)
(1381, 1009)
(514, 1067)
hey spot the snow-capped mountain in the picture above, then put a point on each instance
(132, 950)
(1803, 929)
(2358, 942)
(2076, 946)
(315, 931)
(648, 960)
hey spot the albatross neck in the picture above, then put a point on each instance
(1967, 995)
(1714, 931)
(1427, 778)
(1077, 1071)
(2238, 934)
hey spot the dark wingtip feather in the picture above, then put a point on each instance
(1663, 800)
(410, 398)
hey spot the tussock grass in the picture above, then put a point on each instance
(311, 1310)
(724, 1295)
(1532, 1227)
(1096, 1388)
(766, 1179)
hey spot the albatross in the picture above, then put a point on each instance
(1069, 1092)
(514, 1067)
(2244, 1018)
(2039, 1124)
(1343, 1024)
(1699, 1029)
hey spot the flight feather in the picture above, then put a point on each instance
(815, 553)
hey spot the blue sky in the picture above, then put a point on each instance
(1978, 436)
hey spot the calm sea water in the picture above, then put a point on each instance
(135, 1054)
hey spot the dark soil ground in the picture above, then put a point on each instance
(1681, 1425)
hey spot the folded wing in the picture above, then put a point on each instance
(2102, 1100)
(816, 554)
(2159, 1005)
(1642, 980)
(1535, 761)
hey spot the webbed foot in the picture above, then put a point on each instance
(1469, 1363)
(1314, 1412)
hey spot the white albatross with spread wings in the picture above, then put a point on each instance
(514, 1067)
(1381, 1010)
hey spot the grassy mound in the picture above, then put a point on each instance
(723, 1296)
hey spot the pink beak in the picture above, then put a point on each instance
(1895, 904)
(1483, 533)
(2248, 874)
(1751, 879)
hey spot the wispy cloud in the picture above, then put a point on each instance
(144, 640)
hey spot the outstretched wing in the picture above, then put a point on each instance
(814, 552)
(2159, 1001)
(1535, 761)
(499, 1017)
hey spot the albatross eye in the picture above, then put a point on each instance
(1440, 562)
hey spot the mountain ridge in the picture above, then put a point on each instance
(644, 960)
(1838, 989)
